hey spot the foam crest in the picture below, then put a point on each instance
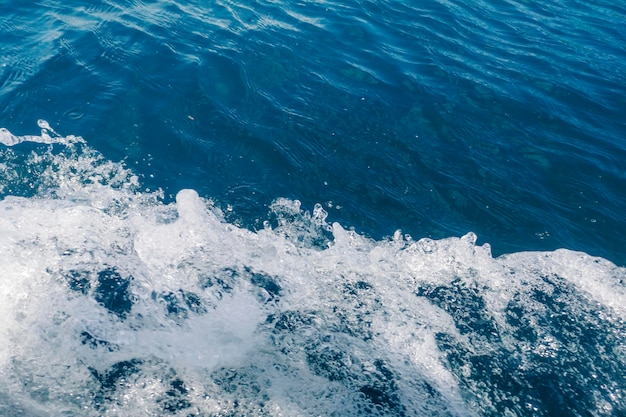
(48, 136)
(115, 303)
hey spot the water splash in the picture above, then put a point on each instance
(48, 135)
(116, 303)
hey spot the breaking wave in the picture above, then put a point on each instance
(115, 302)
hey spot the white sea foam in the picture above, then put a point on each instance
(48, 135)
(114, 303)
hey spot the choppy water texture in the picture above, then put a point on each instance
(437, 118)
(115, 303)
(222, 238)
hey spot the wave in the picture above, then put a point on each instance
(442, 107)
(117, 303)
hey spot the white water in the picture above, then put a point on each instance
(114, 303)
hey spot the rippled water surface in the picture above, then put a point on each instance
(299, 207)
(438, 118)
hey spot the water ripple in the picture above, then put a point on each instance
(500, 93)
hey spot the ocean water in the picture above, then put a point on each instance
(312, 208)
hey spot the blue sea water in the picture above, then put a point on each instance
(302, 208)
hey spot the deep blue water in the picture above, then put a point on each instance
(302, 121)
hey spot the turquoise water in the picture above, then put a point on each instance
(314, 207)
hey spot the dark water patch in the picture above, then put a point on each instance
(93, 342)
(224, 281)
(267, 283)
(117, 376)
(243, 390)
(381, 389)
(178, 305)
(221, 283)
(291, 320)
(79, 281)
(354, 317)
(466, 306)
(113, 292)
(329, 361)
(174, 399)
(566, 355)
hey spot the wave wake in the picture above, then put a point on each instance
(116, 303)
